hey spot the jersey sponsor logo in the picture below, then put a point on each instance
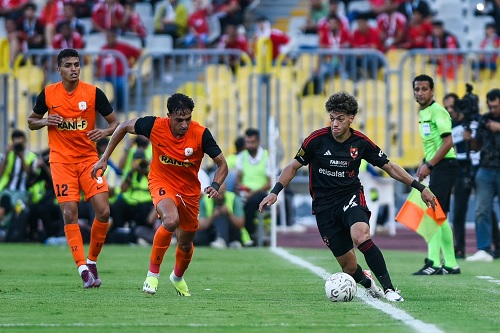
(165, 159)
(82, 106)
(339, 174)
(340, 164)
(350, 204)
(188, 151)
(354, 152)
(73, 124)
(327, 153)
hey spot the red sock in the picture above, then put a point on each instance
(182, 260)
(160, 246)
(75, 242)
(97, 238)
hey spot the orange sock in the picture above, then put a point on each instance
(75, 242)
(160, 246)
(97, 238)
(182, 260)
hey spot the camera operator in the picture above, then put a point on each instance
(462, 118)
(487, 180)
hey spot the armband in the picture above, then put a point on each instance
(277, 188)
(215, 186)
(420, 187)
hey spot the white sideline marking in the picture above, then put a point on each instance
(489, 279)
(389, 309)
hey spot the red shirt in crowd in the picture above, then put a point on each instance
(327, 39)
(52, 12)
(199, 21)
(75, 42)
(239, 43)
(369, 39)
(418, 35)
(108, 62)
(107, 16)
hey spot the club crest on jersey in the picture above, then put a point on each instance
(82, 106)
(188, 151)
(354, 152)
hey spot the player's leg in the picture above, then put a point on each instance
(169, 216)
(95, 190)
(67, 191)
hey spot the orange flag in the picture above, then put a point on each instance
(418, 217)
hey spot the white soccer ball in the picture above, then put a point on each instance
(340, 287)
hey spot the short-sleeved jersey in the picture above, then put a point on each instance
(68, 142)
(176, 161)
(334, 166)
(434, 125)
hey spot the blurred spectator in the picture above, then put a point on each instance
(74, 22)
(491, 8)
(392, 27)
(378, 7)
(198, 26)
(221, 220)
(112, 69)
(228, 12)
(51, 14)
(332, 35)
(67, 38)
(333, 9)
(139, 144)
(419, 31)
(172, 19)
(107, 15)
(443, 39)
(16, 169)
(365, 37)
(31, 28)
(278, 38)
(15, 38)
(132, 22)
(239, 146)
(490, 44)
(317, 11)
(233, 40)
(12, 9)
(133, 205)
(408, 7)
(254, 177)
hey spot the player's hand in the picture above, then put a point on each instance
(429, 198)
(100, 165)
(96, 134)
(54, 119)
(267, 201)
(212, 193)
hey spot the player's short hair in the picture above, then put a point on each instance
(493, 94)
(424, 78)
(179, 103)
(342, 102)
(66, 53)
(253, 132)
(17, 133)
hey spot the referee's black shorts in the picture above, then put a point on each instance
(442, 179)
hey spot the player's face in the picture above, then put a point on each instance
(252, 144)
(70, 69)
(423, 93)
(179, 122)
(340, 123)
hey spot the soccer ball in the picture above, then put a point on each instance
(340, 287)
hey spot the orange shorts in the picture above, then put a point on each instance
(70, 178)
(188, 207)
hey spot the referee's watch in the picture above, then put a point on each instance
(430, 166)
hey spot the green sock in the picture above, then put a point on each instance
(434, 248)
(245, 236)
(447, 245)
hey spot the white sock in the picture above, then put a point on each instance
(156, 275)
(176, 278)
(82, 268)
(91, 262)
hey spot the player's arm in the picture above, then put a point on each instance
(401, 175)
(284, 179)
(36, 120)
(103, 106)
(118, 135)
(219, 176)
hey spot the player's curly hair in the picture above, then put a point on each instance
(179, 103)
(66, 53)
(342, 102)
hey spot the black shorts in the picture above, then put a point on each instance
(442, 179)
(334, 224)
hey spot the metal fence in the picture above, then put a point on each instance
(232, 92)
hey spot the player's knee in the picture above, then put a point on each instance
(169, 222)
(102, 214)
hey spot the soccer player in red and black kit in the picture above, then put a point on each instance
(179, 146)
(334, 155)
